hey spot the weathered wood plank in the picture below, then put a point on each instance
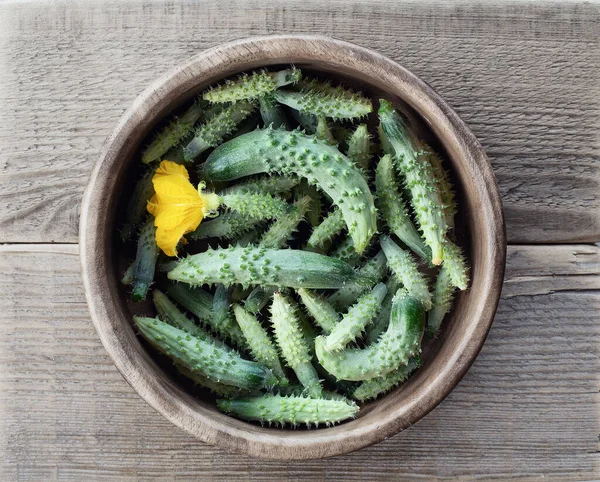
(525, 78)
(528, 410)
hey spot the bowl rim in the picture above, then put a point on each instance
(107, 315)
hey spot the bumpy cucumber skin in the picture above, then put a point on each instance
(382, 320)
(259, 298)
(255, 205)
(303, 189)
(136, 210)
(456, 265)
(262, 348)
(270, 150)
(293, 410)
(323, 131)
(260, 266)
(225, 391)
(251, 86)
(221, 311)
(393, 210)
(273, 185)
(325, 315)
(359, 147)
(172, 134)
(345, 252)
(419, 177)
(330, 227)
(374, 387)
(368, 275)
(200, 304)
(218, 364)
(282, 229)
(168, 312)
(403, 266)
(359, 315)
(292, 343)
(334, 104)
(145, 261)
(272, 113)
(445, 187)
(395, 347)
(230, 225)
(216, 128)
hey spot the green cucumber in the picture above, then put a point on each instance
(229, 225)
(270, 150)
(345, 252)
(382, 320)
(325, 315)
(145, 261)
(374, 387)
(282, 229)
(272, 113)
(260, 266)
(219, 389)
(273, 185)
(395, 347)
(329, 228)
(323, 131)
(359, 147)
(255, 205)
(218, 364)
(136, 211)
(445, 187)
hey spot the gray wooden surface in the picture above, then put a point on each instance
(525, 77)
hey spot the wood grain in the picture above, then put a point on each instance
(528, 409)
(524, 77)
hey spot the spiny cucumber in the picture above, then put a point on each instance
(345, 251)
(393, 210)
(323, 131)
(292, 344)
(145, 261)
(200, 303)
(420, 180)
(456, 265)
(252, 86)
(445, 187)
(403, 265)
(330, 227)
(173, 133)
(273, 185)
(354, 321)
(313, 215)
(272, 113)
(374, 387)
(212, 132)
(255, 205)
(136, 212)
(218, 364)
(262, 348)
(280, 232)
(260, 266)
(320, 309)
(395, 347)
(294, 410)
(359, 147)
(229, 225)
(221, 310)
(382, 320)
(225, 391)
(335, 103)
(369, 274)
(258, 298)
(270, 150)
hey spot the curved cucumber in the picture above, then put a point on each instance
(403, 265)
(320, 309)
(280, 410)
(395, 347)
(262, 348)
(218, 364)
(376, 386)
(419, 176)
(260, 266)
(358, 316)
(292, 343)
(272, 150)
(330, 227)
(393, 209)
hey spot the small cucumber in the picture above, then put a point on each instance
(252, 86)
(145, 261)
(303, 189)
(393, 209)
(229, 225)
(225, 391)
(420, 179)
(403, 266)
(345, 252)
(353, 323)
(329, 228)
(259, 298)
(292, 344)
(323, 131)
(271, 150)
(255, 205)
(374, 387)
(272, 113)
(218, 364)
(294, 410)
(262, 348)
(260, 266)
(382, 320)
(325, 315)
(359, 147)
(395, 347)
(282, 229)
(445, 187)
(136, 211)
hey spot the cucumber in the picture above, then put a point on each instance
(374, 387)
(323, 131)
(320, 309)
(395, 347)
(272, 113)
(382, 320)
(329, 228)
(196, 355)
(145, 261)
(275, 150)
(359, 147)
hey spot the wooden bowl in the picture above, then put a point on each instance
(446, 360)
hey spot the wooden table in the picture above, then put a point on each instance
(524, 76)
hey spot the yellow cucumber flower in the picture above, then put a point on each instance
(177, 206)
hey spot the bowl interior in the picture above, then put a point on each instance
(193, 408)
